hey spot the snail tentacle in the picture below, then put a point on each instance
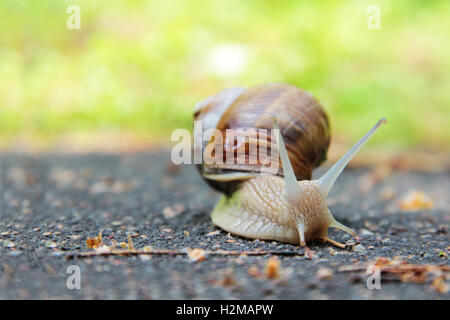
(292, 187)
(326, 182)
(338, 225)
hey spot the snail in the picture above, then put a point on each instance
(285, 205)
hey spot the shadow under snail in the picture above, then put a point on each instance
(287, 205)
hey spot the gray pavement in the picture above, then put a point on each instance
(50, 204)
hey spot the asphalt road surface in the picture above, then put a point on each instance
(50, 204)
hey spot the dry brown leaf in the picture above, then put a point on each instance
(122, 244)
(102, 248)
(97, 244)
(254, 271)
(416, 200)
(272, 269)
(173, 211)
(440, 284)
(130, 243)
(324, 273)
(196, 254)
(407, 272)
(93, 243)
(228, 278)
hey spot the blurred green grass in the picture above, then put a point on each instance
(140, 66)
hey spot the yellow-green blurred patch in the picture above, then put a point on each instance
(140, 66)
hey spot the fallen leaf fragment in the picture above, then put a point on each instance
(196, 254)
(122, 244)
(416, 200)
(228, 278)
(102, 248)
(324, 273)
(130, 243)
(406, 272)
(254, 271)
(440, 284)
(272, 269)
(173, 211)
(93, 243)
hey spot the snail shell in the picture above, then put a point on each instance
(302, 120)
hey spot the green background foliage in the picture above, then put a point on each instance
(140, 66)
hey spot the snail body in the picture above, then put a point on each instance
(259, 209)
(286, 205)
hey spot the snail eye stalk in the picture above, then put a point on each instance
(326, 182)
(291, 183)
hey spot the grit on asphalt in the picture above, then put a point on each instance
(50, 204)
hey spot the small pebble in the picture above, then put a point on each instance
(50, 244)
(365, 232)
(359, 248)
(324, 273)
(9, 244)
